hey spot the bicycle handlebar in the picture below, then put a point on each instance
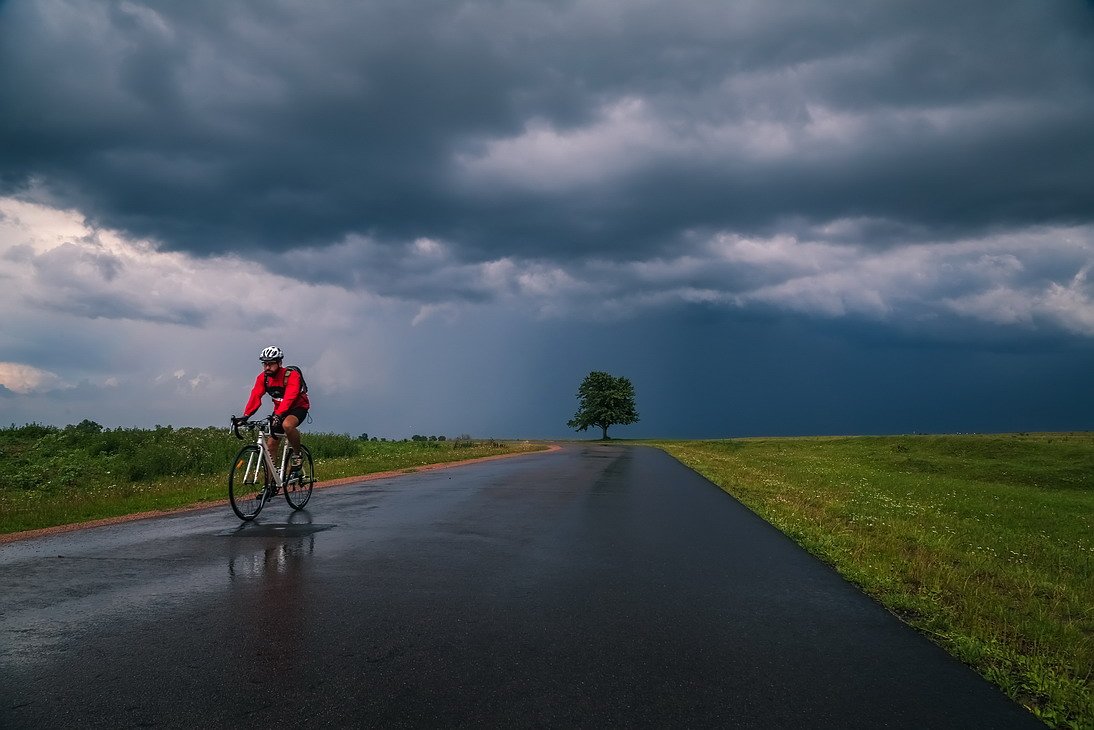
(238, 423)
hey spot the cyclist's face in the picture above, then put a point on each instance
(272, 366)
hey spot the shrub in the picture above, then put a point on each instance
(332, 446)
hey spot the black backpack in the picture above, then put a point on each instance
(303, 383)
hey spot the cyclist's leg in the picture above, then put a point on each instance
(293, 418)
(271, 444)
(290, 424)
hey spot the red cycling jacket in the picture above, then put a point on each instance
(285, 392)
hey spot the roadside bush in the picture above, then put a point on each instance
(332, 445)
(43, 457)
(25, 433)
(46, 458)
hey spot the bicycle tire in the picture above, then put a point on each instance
(298, 491)
(246, 483)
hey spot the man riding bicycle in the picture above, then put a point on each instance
(290, 397)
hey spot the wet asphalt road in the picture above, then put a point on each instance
(598, 586)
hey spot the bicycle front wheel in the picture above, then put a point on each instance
(298, 486)
(246, 481)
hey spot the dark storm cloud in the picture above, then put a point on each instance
(548, 131)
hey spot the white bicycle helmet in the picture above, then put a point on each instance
(271, 353)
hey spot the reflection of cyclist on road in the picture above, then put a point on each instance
(290, 397)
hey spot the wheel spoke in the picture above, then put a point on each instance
(298, 487)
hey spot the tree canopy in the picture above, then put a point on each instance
(604, 400)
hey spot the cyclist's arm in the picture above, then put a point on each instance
(255, 400)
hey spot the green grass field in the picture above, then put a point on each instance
(985, 543)
(52, 476)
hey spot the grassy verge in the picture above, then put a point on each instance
(51, 476)
(985, 543)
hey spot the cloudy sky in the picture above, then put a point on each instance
(773, 217)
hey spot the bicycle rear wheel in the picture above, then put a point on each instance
(246, 482)
(298, 487)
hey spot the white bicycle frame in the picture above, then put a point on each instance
(251, 473)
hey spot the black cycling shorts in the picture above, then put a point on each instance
(300, 413)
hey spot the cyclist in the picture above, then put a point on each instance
(290, 400)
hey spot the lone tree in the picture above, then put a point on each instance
(604, 400)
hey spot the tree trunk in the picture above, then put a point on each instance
(605, 430)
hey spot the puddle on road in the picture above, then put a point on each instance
(275, 530)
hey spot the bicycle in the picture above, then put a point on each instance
(254, 480)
